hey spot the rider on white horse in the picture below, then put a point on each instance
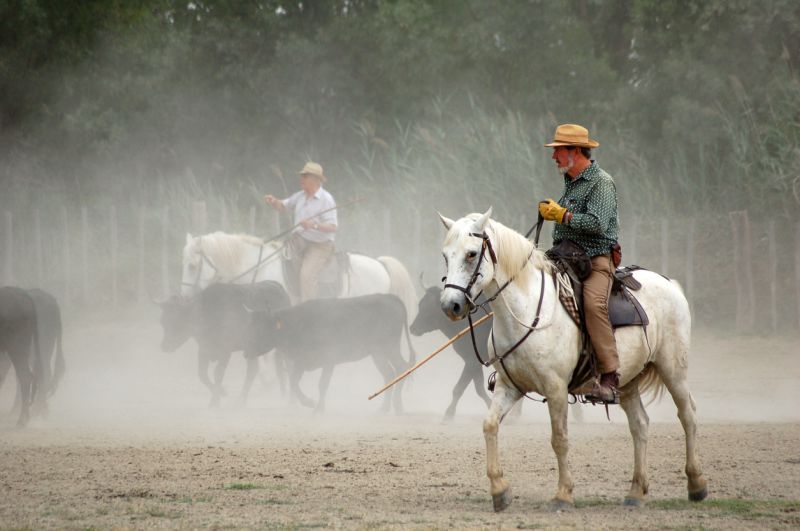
(315, 214)
(587, 215)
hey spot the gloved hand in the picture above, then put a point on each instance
(552, 211)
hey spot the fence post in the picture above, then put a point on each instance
(37, 243)
(199, 217)
(65, 257)
(9, 250)
(164, 252)
(112, 221)
(417, 243)
(665, 246)
(633, 248)
(773, 277)
(387, 231)
(690, 264)
(85, 253)
(140, 289)
(745, 292)
(252, 220)
(223, 223)
(797, 269)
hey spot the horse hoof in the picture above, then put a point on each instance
(699, 495)
(633, 502)
(502, 500)
(560, 505)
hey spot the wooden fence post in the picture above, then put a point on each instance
(252, 220)
(224, 224)
(65, 256)
(665, 246)
(37, 244)
(797, 269)
(690, 264)
(112, 222)
(165, 252)
(773, 277)
(85, 253)
(140, 287)
(387, 231)
(633, 250)
(743, 252)
(8, 270)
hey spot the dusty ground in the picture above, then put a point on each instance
(129, 442)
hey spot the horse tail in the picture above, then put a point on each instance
(650, 382)
(400, 283)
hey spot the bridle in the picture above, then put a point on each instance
(474, 307)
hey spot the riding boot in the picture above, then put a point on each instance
(606, 390)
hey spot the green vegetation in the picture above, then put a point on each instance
(243, 486)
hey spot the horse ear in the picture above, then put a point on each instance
(481, 222)
(446, 221)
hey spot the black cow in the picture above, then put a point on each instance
(219, 320)
(17, 336)
(323, 333)
(429, 318)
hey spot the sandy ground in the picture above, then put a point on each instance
(130, 442)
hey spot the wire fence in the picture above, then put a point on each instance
(739, 274)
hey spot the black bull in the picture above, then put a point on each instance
(429, 318)
(323, 333)
(18, 334)
(219, 320)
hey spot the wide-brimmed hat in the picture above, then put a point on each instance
(312, 168)
(572, 135)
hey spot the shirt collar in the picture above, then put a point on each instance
(589, 173)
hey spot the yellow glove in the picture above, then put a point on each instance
(552, 211)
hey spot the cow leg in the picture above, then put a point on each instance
(219, 374)
(458, 391)
(294, 385)
(202, 372)
(250, 375)
(324, 382)
(386, 370)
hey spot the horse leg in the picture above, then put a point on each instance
(679, 389)
(638, 422)
(557, 406)
(324, 382)
(458, 391)
(503, 400)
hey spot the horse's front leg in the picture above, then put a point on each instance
(557, 406)
(503, 400)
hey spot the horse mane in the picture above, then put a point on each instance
(512, 250)
(227, 250)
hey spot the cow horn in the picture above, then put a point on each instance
(422, 281)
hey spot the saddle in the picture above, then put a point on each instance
(330, 279)
(623, 310)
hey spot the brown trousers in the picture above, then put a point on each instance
(315, 257)
(596, 291)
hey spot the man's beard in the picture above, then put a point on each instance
(564, 169)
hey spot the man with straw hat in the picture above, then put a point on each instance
(586, 214)
(315, 233)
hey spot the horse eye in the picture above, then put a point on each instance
(471, 255)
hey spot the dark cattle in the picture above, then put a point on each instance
(218, 319)
(48, 317)
(429, 318)
(323, 333)
(17, 336)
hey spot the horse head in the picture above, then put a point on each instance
(197, 270)
(470, 261)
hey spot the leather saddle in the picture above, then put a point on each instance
(330, 279)
(623, 310)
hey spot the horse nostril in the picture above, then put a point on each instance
(456, 308)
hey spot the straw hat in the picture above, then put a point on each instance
(572, 135)
(312, 168)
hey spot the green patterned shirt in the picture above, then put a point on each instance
(592, 200)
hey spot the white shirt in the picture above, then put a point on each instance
(305, 207)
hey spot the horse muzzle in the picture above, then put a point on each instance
(455, 304)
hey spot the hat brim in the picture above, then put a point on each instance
(589, 144)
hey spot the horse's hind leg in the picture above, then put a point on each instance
(638, 423)
(679, 389)
(503, 400)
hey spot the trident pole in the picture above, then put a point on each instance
(435, 352)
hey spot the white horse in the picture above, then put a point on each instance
(242, 259)
(544, 361)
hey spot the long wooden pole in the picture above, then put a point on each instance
(435, 352)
